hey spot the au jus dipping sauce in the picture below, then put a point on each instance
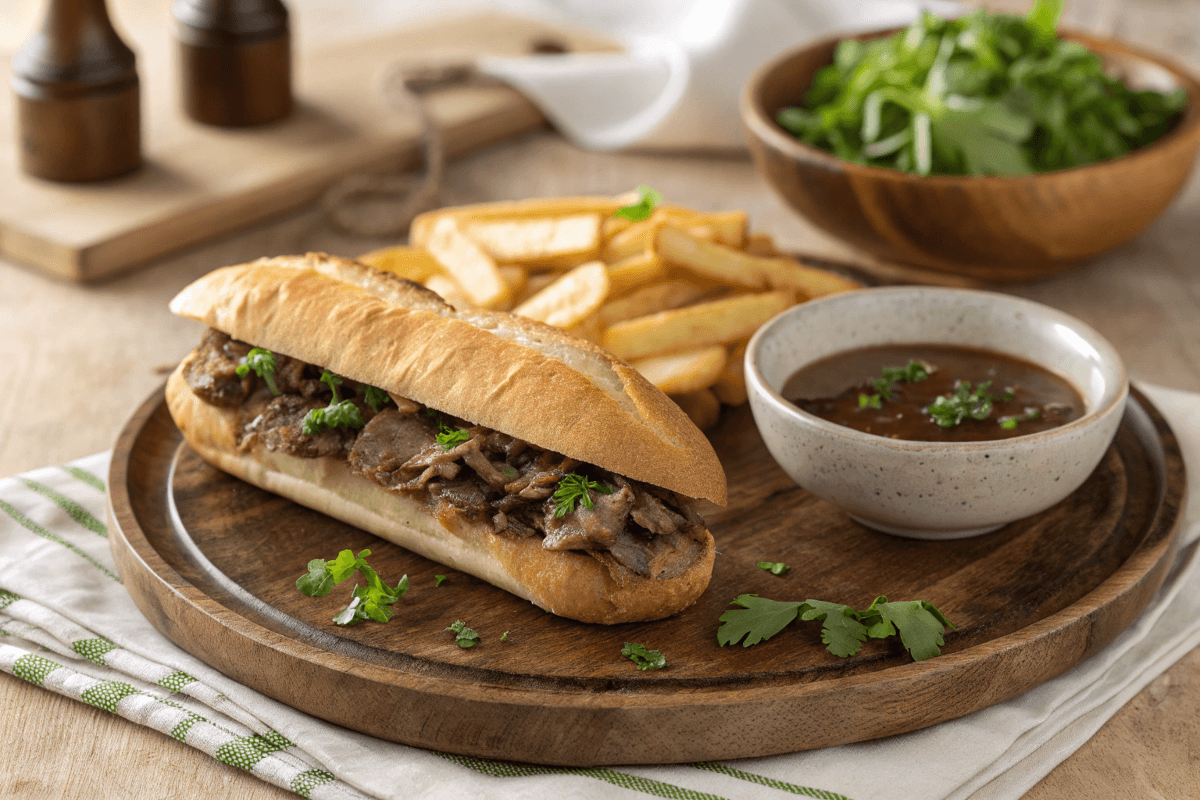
(991, 395)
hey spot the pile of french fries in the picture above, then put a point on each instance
(677, 295)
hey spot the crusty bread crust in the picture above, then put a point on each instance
(569, 584)
(507, 373)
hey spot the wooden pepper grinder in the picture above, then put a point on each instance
(77, 96)
(235, 60)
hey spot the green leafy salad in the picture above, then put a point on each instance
(986, 94)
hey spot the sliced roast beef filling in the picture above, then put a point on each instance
(492, 477)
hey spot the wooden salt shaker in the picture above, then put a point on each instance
(77, 90)
(235, 60)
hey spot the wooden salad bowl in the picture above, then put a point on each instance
(998, 229)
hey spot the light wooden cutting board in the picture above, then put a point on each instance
(199, 181)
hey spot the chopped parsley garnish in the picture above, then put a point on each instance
(911, 373)
(464, 637)
(574, 488)
(1009, 423)
(948, 411)
(984, 94)
(642, 658)
(843, 630)
(263, 363)
(372, 601)
(774, 567)
(504, 636)
(376, 398)
(338, 414)
(437, 580)
(648, 199)
(870, 401)
(509, 472)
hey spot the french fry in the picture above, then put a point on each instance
(761, 245)
(734, 267)
(571, 299)
(590, 329)
(648, 299)
(680, 373)
(538, 281)
(450, 291)
(538, 241)
(730, 388)
(786, 273)
(728, 227)
(631, 272)
(702, 407)
(718, 322)
(632, 241)
(517, 279)
(472, 269)
(407, 262)
(612, 226)
(422, 226)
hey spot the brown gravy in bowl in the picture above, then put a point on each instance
(894, 391)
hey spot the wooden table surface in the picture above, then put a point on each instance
(78, 360)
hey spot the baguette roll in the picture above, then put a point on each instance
(521, 378)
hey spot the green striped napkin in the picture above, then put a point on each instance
(67, 625)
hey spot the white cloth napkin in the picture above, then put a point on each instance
(677, 84)
(67, 624)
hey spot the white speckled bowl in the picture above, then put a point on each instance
(934, 490)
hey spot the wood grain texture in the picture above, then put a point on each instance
(999, 229)
(212, 563)
(199, 181)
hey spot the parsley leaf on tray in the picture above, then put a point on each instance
(919, 623)
(374, 600)
(642, 657)
(464, 637)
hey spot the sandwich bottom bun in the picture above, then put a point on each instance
(567, 583)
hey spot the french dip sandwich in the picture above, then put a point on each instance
(494, 444)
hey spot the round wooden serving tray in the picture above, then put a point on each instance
(212, 562)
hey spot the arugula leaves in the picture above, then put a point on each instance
(464, 637)
(263, 363)
(648, 199)
(574, 488)
(372, 601)
(985, 94)
(643, 658)
(338, 414)
(843, 630)
(774, 567)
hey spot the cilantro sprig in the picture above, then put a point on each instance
(642, 657)
(636, 212)
(950, 410)
(574, 488)
(338, 414)
(263, 363)
(371, 601)
(985, 94)
(843, 630)
(464, 637)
